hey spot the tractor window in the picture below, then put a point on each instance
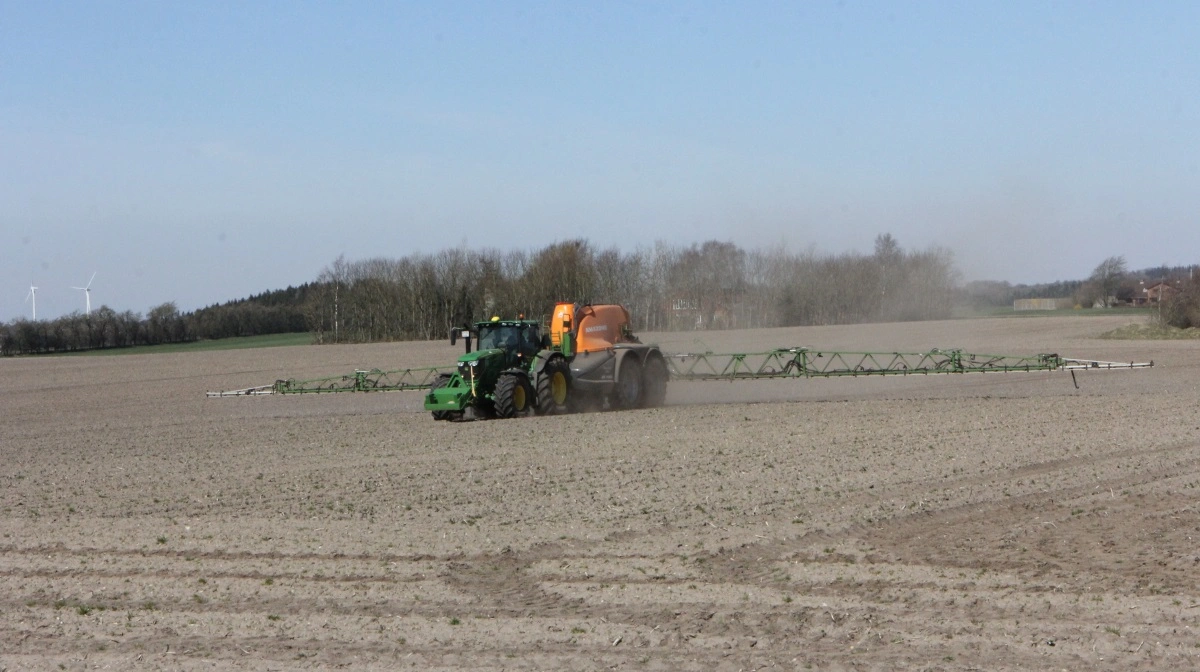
(488, 338)
(500, 336)
(512, 338)
(529, 340)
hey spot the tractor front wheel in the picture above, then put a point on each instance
(441, 381)
(513, 396)
(554, 387)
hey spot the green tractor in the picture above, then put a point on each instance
(590, 359)
(512, 373)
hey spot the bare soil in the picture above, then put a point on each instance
(984, 521)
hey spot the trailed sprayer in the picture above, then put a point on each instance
(590, 359)
(586, 357)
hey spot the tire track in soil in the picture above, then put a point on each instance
(746, 563)
(756, 564)
(518, 609)
(500, 585)
(503, 590)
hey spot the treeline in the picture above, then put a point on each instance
(279, 311)
(714, 285)
(997, 294)
(104, 328)
(1110, 284)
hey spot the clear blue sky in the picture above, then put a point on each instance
(199, 152)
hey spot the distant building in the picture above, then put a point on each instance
(1160, 291)
(1041, 304)
(685, 314)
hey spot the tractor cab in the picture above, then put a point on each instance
(519, 339)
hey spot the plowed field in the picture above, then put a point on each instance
(984, 521)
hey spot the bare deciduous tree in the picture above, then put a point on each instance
(1107, 277)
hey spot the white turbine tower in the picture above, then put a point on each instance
(87, 292)
(33, 296)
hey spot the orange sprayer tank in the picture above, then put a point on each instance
(591, 328)
(563, 323)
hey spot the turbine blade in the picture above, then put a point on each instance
(92, 278)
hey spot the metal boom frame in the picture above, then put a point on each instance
(362, 380)
(780, 363)
(805, 362)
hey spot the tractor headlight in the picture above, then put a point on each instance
(464, 369)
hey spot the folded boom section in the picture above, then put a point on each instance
(362, 380)
(780, 363)
(804, 362)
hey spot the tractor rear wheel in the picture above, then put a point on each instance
(441, 381)
(554, 387)
(654, 382)
(629, 383)
(513, 396)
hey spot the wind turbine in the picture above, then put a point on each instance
(33, 295)
(87, 292)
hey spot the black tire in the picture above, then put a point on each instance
(628, 392)
(554, 387)
(442, 380)
(654, 382)
(514, 397)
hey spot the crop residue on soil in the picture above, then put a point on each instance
(991, 521)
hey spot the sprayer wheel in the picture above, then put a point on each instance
(629, 383)
(654, 382)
